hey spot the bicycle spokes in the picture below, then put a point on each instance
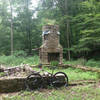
(33, 81)
(60, 79)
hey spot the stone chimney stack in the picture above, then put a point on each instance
(51, 50)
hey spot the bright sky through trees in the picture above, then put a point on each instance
(34, 3)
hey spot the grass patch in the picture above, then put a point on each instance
(93, 63)
(87, 92)
(34, 60)
(74, 74)
(14, 61)
(83, 62)
(2, 74)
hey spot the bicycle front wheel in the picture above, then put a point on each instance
(60, 79)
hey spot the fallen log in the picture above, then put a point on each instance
(82, 82)
(84, 68)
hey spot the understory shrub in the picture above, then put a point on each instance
(14, 61)
(20, 53)
(84, 62)
(93, 63)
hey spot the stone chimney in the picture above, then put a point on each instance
(51, 50)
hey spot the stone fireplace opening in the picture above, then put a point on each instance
(53, 57)
(51, 50)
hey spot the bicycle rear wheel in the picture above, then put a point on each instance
(60, 79)
(33, 81)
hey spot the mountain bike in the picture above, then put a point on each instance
(36, 80)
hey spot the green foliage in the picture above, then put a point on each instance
(89, 30)
(54, 63)
(84, 62)
(48, 22)
(80, 61)
(74, 74)
(78, 21)
(14, 61)
(2, 74)
(20, 53)
(87, 25)
(25, 28)
(93, 63)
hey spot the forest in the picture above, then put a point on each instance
(21, 36)
(21, 26)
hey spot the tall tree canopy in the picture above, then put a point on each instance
(78, 21)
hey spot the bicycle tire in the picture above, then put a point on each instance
(32, 83)
(57, 83)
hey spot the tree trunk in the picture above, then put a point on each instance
(11, 27)
(68, 40)
(68, 29)
(28, 28)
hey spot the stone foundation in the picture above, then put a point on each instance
(15, 84)
(14, 78)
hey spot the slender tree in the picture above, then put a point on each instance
(68, 29)
(11, 27)
(28, 27)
